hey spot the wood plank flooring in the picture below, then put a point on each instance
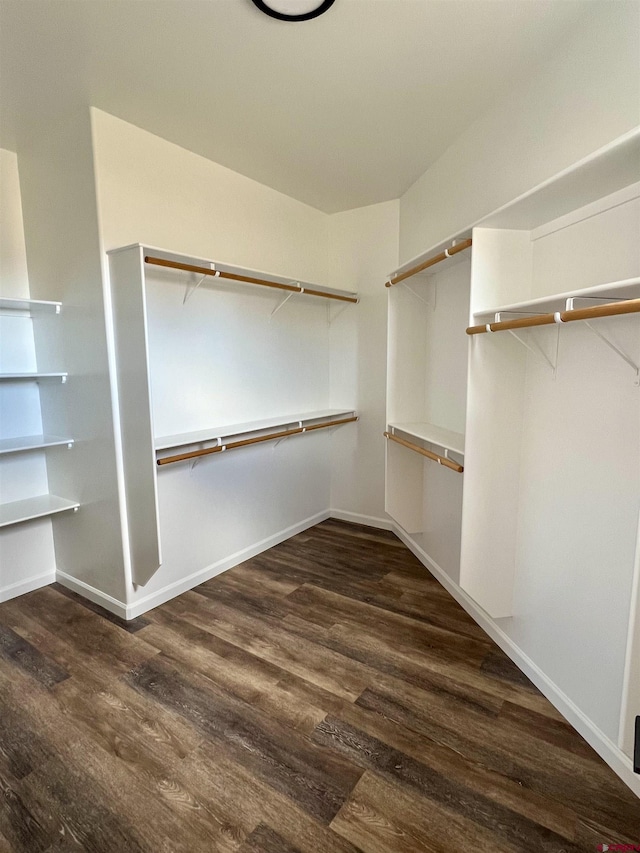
(327, 696)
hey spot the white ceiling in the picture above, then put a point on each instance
(341, 111)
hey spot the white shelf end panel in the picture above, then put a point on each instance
(40, 506)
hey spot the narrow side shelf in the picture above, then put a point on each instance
(30, 306)
(445, 438)
(32, 442)
(38, 507)
(25, 377)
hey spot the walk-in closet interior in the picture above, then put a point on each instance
(233, 311)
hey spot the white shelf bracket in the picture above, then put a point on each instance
(617, 350)
(63, 379)
(332, 317)
(281, 304)
(189, 291)
(417, 295)
(537, 351)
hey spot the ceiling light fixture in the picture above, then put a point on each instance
(293, 10)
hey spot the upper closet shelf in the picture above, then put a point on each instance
(612, 291)
(19, 377)
(303, 419)
(32, 442)
(445, 438)
(605, 171)
(212, 270)
(30, 306)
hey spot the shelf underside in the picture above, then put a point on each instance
(31, 306)
(40, 506)
(19, 377)
(32, 442)
(611, 292)
(235, 430)
(444, 438)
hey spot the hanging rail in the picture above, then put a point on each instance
(611, 309)
(294, 288)
(448, 253)
(232, 445)
(441, 460)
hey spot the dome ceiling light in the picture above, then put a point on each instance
(293, 10)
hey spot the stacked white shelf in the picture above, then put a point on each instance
(15, 311)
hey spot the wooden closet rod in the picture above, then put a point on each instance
(610, 309)
(207, 451)
(294, 288)
(448, 253)
(448, 463)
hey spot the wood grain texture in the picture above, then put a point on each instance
(327, 696)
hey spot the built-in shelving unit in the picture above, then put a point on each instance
(178, 365)
(30, 509)
(545, 515)
(42, 505)
(32, 442)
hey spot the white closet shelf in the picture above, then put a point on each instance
(32, 442)
(31, 508)
(18, 377)
(32, 306)
(207, 266)
(445, 438)
(305, 418)
(611, 291)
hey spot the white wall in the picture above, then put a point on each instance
(27, 557)
(363, 250)
(579, 101)
(219, 359)
(64, 260)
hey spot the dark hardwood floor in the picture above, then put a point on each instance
(328, 696)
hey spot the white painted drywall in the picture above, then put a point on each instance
(27, 555)
(64, 261)
(586, 96)
(363, 248)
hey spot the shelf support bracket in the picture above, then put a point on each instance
(617, 350)
(331, 318)
(189, 291)
(417, 295)
(281, 304)
(537, 350)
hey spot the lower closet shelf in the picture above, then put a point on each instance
(31, 508)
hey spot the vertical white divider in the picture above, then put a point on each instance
(127, 281)
(630, 707)
(497, 370)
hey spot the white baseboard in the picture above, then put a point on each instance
(113, 605)
(358, 518)
(13, 590)
(620, 763)
(141, 606)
